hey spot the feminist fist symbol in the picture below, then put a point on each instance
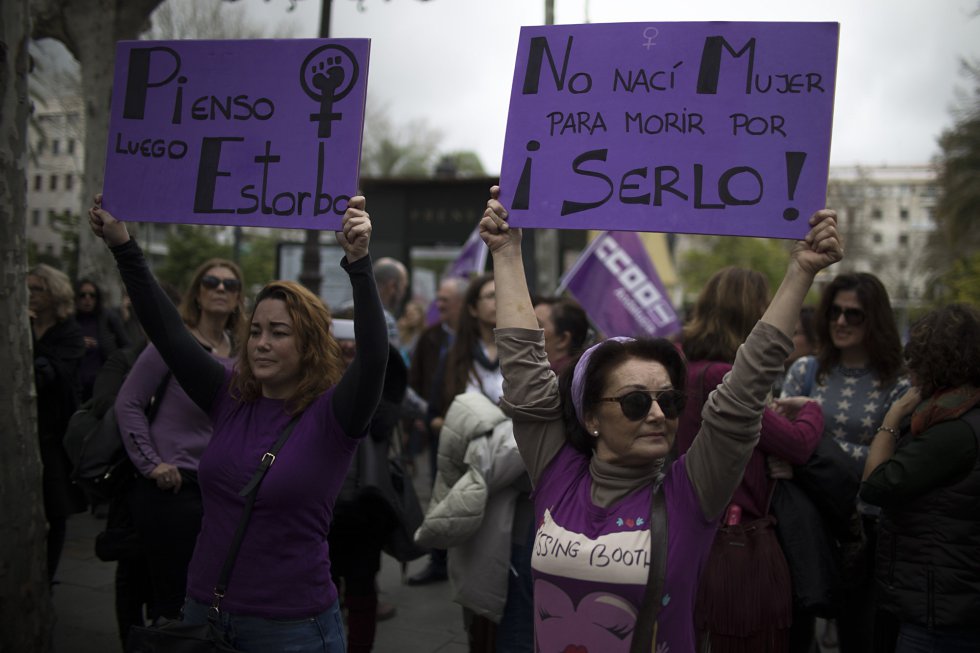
(323, 78)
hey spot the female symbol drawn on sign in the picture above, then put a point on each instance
(328, 75)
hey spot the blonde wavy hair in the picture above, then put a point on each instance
(729, 305)
(59, 286)
(321, 361)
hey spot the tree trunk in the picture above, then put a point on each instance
(90, 29)
(26, 614)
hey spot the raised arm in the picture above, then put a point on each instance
(530, 387)
(359, 390)
(199, 374)
(514, 308)
(732, 416)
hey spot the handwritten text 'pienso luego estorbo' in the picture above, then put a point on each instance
(739, 185)
(210, 108)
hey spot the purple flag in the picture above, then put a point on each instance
(712, 128)
(618, 286)
(471, 260)
(256, 133)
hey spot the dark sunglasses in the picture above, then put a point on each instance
(83, 295)
(636, 404)
(853, 316)
(211, 282)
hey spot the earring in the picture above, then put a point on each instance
(595, 433)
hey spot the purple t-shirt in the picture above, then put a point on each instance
(292, 514)
(590, 564)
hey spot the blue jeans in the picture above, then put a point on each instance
(323, 633)
(515, 633)
(916, 639)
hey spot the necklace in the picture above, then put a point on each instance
(214, 347)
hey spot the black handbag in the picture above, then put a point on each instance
(177, 637)
(811, 552)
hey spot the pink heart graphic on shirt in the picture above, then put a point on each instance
(630, 522)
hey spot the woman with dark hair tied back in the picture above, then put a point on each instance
(595, 444)
(745, 605)
(924, 473)
(856, 374)
(165, 499)
(566, 328)
(279, 595)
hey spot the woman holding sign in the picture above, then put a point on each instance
(595, 445)
(289, 381)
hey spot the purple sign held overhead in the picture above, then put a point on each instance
(253, 133)
(616, 283)
(713, 128)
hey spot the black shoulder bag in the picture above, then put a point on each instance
(177, 637)
(645, 632)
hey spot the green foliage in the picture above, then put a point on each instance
(463, 163)
(962, 281)
(258, 260)
(187, 247)
(958, 240)
(768, 256)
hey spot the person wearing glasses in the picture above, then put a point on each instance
(595, 444)
(856, 375)
(165, 499)
(291, 372)
(727, 309)
(102, 329)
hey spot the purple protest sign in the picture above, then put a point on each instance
(253, 133)
(616, 283)
(471, 260)
(713, 128)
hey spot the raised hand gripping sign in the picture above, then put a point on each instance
(253, 133)
(711, 128)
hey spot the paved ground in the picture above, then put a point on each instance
(427, 621)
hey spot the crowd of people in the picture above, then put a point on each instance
(588, 492)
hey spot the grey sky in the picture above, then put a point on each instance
(451, 61)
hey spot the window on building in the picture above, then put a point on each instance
(36, 217)
(877, 238)
(55, 146)
(69, 181)
(38, 182)
(54, 182)
(876, 213)
(71, 146)
(52, 217)
(903, 239)
(903, 214)
(49, 249)
(41, 146)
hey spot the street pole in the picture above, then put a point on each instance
(310, 271)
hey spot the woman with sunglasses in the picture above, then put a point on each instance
(595, 445)
(291, 373)
(727, 309)
(102, 329)
(855, 376)
(165, 498)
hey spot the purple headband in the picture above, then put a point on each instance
(578, 376)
